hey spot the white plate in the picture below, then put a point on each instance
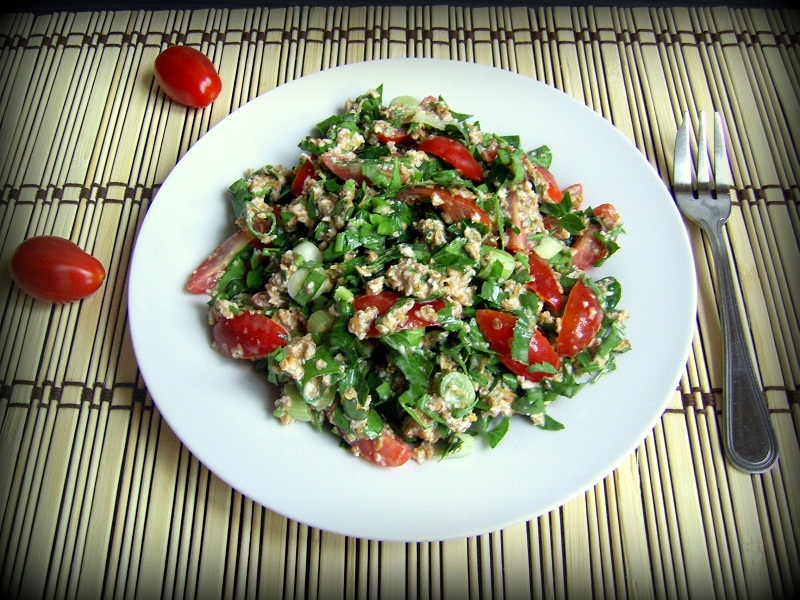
(221, 410)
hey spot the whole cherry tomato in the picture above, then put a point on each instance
(187, 76)
(55, 269)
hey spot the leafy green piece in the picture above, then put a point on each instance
(541, 156)
(569, 220)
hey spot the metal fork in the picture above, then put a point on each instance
(748, 437)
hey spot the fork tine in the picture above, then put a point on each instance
(703, 161)
(722, 168)
(682, 164)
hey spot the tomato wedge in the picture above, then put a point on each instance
(386, 450)
(517, 235)
(580, 322)
(455, 154)
(607, 215)
(305, 171)
(248, 335)
(498, 329)
(205, 277)
(543, 281)
(588, 249)
(398, 135)
(554, 192)
(383, 301)
(575, 194)
(454, 206)
(343, 169)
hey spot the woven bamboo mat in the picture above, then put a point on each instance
(99, 499)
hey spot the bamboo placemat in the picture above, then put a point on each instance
(99, 499)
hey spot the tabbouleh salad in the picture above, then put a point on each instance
(414, 282)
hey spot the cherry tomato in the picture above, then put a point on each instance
(205, 277)
(575, 194)
(383, 301)
(305, 171)
(517, 235)
(554, 192)
(386, 450)
(588, 249)
(55, 269)
(187, 76)
(343, 169)
(607, 215)
(580, 322)
(455, 154)
(454, 206)
(543, 281)
(498, 329)
(398, 135)
(248, 335)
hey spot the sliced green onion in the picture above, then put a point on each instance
(424, 118)
(308, 251)
(305, 285)
(499, 264)
(342, 294)
(457, 391)
(294, 404)
(465, 447)
(548, 247)
(403, 101)
(319, 322)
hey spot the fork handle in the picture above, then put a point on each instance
(748, 436)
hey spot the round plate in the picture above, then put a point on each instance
(221, 409)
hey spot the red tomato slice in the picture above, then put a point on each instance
(398, 135)
(607, 215)
(517, 236)
(459, 207)
(575, 194)
(187, 76)
(205, 277)
(343, 169)
(580, 322)
(543, 281)
(55, 269)
(386, 450)
(498, 329)
(554, 192)
(588, 249)
(305, 171)
(455, 207)
(455, 154)
(383, 301)
(248, 335)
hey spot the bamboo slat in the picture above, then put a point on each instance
(98, 498)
